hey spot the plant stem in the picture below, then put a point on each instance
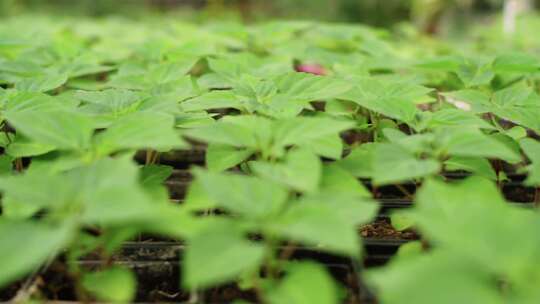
(374, 125)
(148, 157)
(287, 252)
(31, 284)
(155, 160)
(374, 191)
(271, 263)
(151, 157)
(19, 164)
(284, 256)
(29, 288)
(495, 122)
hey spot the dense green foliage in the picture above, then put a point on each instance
(79, 98)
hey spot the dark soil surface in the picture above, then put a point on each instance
(382, 229)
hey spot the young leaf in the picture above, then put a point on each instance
(454, 117)
(330, 146)
(470, 143)
(307, 131)
(217, 256)
(64, 130)
(110, 194)
(232, 66)
(24, 147)
(152, 175)
(392, 164)
(475, 101)
(152, 179)
(410, 250)
(393, 99)
(142, 130)
(197, 199)
(147, 78)
(305, 283)
(320, 225)
(519, 105)
(239, 131)
(6, 165)
(477, 165)
(400, 221)
(516, 133)
(211, 101)
(222, 157)
(115, 284)
(532, 150)
(416, 143)
(468, 284)
(41, 242)
(19, 202)
(516, 63)
(114, 102)
(249, 196)
(308, 87)
(335, 179)
(442, 63)
(17, 101)
(352, 208)
(360, 162)
(490, 245)
(254, 92)
(475, 74)
(42, 83)
(437, 202)
(301, 170)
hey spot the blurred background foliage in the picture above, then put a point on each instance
(431, 16)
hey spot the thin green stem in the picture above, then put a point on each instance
(270, 258)
(374, 120)
(495, 122)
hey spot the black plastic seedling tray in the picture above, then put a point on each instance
(157, 267)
